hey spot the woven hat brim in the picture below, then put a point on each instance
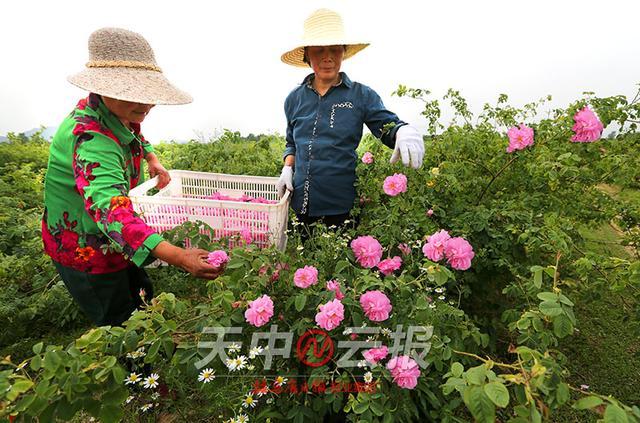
(295, 57)
(130, 84)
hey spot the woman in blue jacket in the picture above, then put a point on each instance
(325, 117)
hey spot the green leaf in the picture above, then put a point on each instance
(562, 393)
(457, 369)
(20, 386)
(587, 403)
(360, 407)
(547, 296)
(479, 404)
(549, 308)
(301, 300)
(537, 278)
(615, 414)
(476, 375)
(497, 393)
(37, 348)
(111, 413)
(562, 326)
(51, 361)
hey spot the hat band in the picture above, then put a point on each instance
(122, 64)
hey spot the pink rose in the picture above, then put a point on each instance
(376, 305)
(330, 315)
(305, 277)
(394, 185)
(459, 253)
(389, 266)
(588, 127)
(374, 355)
(405, 371)
(260, 311)
(367, 158)
(430, 212)
(217, 258)
(404, 249)
(434, 248)
(519, 138)
(367, 250)
(335, 287)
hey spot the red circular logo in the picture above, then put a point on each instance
(322, 347)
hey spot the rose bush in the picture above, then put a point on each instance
(485, 273)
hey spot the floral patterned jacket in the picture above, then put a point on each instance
(89, 223)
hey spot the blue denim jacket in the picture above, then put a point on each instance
(323, 133)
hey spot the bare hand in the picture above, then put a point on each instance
(156, 169)
(194, 261)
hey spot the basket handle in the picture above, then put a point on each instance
(143, 188)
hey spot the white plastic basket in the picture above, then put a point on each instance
(185, 199)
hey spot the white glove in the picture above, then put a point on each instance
(285, 180)
(409, 145)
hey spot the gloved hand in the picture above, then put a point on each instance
(286, 180)
(409, 146)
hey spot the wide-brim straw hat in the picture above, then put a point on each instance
(323, 27)
(122, 66)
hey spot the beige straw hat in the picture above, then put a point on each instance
(322, 28)
(122, 66)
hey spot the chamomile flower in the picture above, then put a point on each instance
(362, 363)
(133, 378)
(368, 377)
(129, 399)
(385, 332)
(249, 401)
(280, 381)
(242, 418)
(237, 363)
(255, 351)
(146, 407)
(234, 348)
(151, 381)
(206, 375)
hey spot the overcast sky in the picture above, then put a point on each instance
(226, 54)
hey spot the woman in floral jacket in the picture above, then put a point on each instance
(97, 242)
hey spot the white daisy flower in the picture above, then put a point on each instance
(385, 332)
(441, 297)
(439, 290)
(151, 381)
(129, 399)
(230, 363)
(233, 348)
(280, 381)
(255, 351)
(241, 362)
(249, 401)
(368, 377)
(362, 363)
(146, 407)
(207, 375)
(242, 418)
(155, 396)
(133, 378)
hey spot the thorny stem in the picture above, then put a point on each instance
(494, 178)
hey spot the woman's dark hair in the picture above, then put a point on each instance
(305, 57)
